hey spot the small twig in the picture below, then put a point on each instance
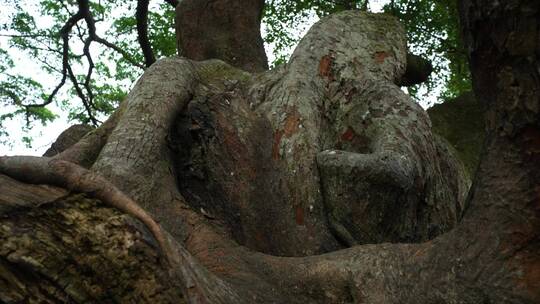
(87, 81)
(124, 54)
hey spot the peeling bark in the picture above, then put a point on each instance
(111, 259)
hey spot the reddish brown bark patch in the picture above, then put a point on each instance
(275, 146)
(348, 135)
(230, 137)
(290, 127)
(380, 56)
(240, 169)
(528, 259)
(532, 278)
(531, 140)
(325, 67)
(292, 123)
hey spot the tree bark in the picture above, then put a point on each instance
(222, 29)
(250, 178)
(460, 121)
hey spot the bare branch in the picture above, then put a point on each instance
(82, 13)
(64, 34)
(119, 50)
(141, 15)
(87, 84)
(81, 95)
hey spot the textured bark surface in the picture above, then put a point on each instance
(461, 122)
(112, 258)
(222, 29)
(255, 184)
(380, 178)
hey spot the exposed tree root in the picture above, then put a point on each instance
(44, 170)
(199, 286)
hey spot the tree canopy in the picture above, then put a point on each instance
(88, 53)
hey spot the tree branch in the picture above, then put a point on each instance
(81, 95)
(141, 15)
(87, 99)
(64, 34)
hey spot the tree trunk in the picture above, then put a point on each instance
(229, 30)
(252, 185)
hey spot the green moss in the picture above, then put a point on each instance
(217, 71)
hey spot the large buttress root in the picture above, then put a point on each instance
(338, 93)
(382, 177)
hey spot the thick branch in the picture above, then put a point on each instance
(138, 144)
(418, 70)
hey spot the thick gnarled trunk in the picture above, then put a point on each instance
(229, 30)
(249, 179)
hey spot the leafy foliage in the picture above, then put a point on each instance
(33, 32)
(433, 32)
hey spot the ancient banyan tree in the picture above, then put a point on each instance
(319, 181)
